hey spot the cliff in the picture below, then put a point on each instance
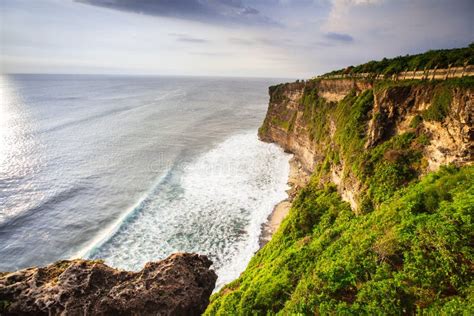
(384, 225)
(304, 117)
(380, 223)
(178, 285)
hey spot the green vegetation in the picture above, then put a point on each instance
(389, 166)
(262, 130)
(279, 122)
(416, 121)
(434, 58)
(412, 253)
(351, 115)
(291, 124)
(439, 106)
(408, 249)
(315, 114)
(464, 82)
(382, 169)
(277, 92)
(284, 118)
(4, 305)
(442, 97)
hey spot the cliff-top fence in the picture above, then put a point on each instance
(427, 74)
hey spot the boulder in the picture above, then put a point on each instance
(178, 285)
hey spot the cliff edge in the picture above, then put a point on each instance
(322, 118)
(178, 285)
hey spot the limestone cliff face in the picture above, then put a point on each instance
(285, 123)
(451, 139)
(178, 285)
(284, 107)
(397, 108)
(336, 90)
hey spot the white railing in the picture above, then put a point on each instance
(427, 74)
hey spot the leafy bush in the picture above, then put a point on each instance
(439, 106)
(315, 114)
(351, 116)
(390, 166)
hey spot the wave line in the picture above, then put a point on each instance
(107, 234)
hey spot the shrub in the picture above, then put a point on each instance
(440, 105)
(416, 121)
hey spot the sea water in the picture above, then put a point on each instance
(132, 169)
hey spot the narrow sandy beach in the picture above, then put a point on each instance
(297, 178)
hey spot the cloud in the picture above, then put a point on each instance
(341, 8)
(262, 41)
(339, 4)
(278, 42)
(241, 41)
(207, 11)
(250, 11)
(211, 54)
(309, 41)
(340, 37)
(188, 39)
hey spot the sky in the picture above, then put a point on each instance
(267, 38)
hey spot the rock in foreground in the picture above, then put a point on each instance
(178, 285)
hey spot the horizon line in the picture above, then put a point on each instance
(143, 75)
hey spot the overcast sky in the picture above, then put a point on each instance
(267, 38)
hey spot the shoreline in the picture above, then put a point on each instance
(298, 177)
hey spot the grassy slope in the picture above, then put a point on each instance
(410, 250)
(413, 252)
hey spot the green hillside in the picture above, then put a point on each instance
(408, 250)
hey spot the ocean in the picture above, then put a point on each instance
(131, 169)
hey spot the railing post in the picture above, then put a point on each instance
(447, 72)
(464, 68)
(434, 73)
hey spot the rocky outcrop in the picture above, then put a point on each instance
(178, 285)
(451, 139)
(336, 90)
(397, 108)
(285, 106)
(285, 123)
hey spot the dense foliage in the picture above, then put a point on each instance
(408, 250)
(432, 59)
(413, 252)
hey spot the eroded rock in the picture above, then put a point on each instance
(450, 139)
(178, 285)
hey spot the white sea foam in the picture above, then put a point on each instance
(214, 206)
(105, 235)
(94, 165)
